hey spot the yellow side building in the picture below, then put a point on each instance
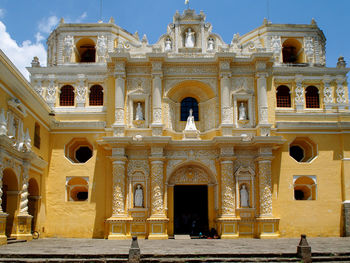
(117, 137)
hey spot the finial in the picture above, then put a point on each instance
(61, 21)
(136, 34)
(35, 62)
(313, 22)
(265, 21)
(111, 20)
(341, 62)
(144, 39)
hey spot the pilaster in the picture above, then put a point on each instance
(340, 91)
(263, 123)
(327, 93)
(119, 123)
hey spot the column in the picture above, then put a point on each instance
(119, 74)
(268, 224)
(299, 94)
(118, 205)
(226, 107)
(265, 187)
(3, 237)
(158, 220)
(24, 220)
(119, 222)
(228, 223)
(157, 74)
(262, 98)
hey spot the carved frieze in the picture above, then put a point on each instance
(190, 175)
(118, 207)
(265, 188)
(138, 165)
(157, 189)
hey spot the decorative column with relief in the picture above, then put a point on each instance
(261, 75)
(3, 215)
(119, 221)
(226, 107)
(268, 225)
(327, 93)
(341, 96)
(158, 220)
(119, 123)
(228, 227)
(24, 220)
(157, 74)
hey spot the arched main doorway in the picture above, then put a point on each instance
(191, 200)
(10, 198)
(33, 201)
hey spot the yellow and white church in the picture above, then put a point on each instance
(117, 137)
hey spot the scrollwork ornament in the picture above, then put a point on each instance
(328, 93)
(341, 98)
(299, 94)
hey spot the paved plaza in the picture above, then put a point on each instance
(71, 246)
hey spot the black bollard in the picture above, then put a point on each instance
(134, 251)
(304, 250)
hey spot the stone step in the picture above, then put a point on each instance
(12, 240)
(56, 260)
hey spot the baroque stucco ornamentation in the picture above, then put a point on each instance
(327, 92)
(276, 47)
(309, 49)
(101, 48)
(157, 189)
(118, 188)
(227, 115)
(341, 98)
(190, 175)
(157, 115)
(138, 165)
(265, 188)
(299, 93)
(119, 116)
(68, 48)
(80, 91)
(228, 189)
(51, 92)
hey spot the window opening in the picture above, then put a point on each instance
(187, 104)
(312, 97)
(96, 96)
(67, 96)
(283, 97)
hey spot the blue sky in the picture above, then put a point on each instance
(25, 24)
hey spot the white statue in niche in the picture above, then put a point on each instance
(138, 198)
(139, 114)
(167, 44)
(190, 125)
(244, 196)
(242, 112)
(210, 44)
(190, 39)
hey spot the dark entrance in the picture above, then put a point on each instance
(190, 209)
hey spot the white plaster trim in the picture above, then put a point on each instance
(31, 113)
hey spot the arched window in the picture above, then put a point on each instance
(67, 96)
(77, 188)
(187, 104)
(312, 97)
(283, 97)
(96, 96)
(305, 187)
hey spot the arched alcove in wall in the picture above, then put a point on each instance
(204, 95)
(10, 198)
(33, 200)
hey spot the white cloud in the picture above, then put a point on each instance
(46, 25)
(2, 13)
(22, 54)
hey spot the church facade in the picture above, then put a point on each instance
(117, 137)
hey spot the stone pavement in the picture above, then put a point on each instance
(195, 246)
